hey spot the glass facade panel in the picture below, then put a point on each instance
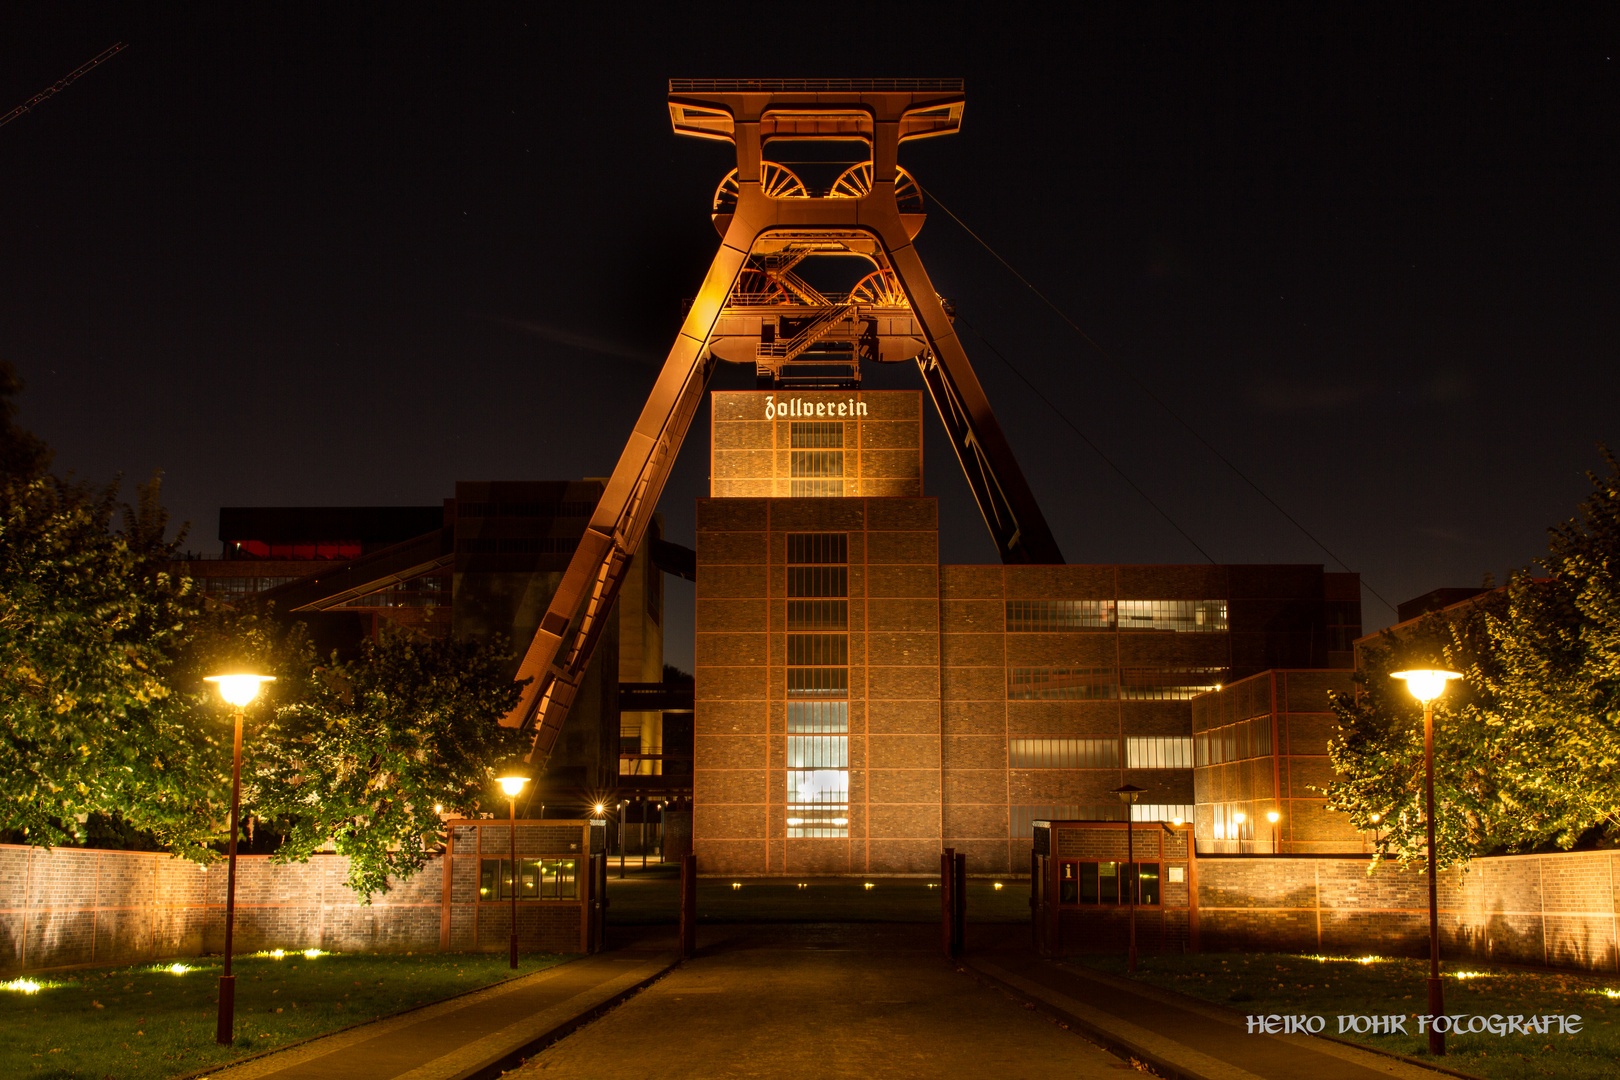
(818, 614)
(1057, 753)
(1046, 616)
(817, 748)
(1061, 683)
(817, 717)
(818, 581)
(1196, 616)
(1159, 752)
(816, 435)
(1168, 683)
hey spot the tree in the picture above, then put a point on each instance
(105, 712)
(369, 754)
(1527, 743)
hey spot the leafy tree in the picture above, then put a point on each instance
(109, 729)
(1527, 743)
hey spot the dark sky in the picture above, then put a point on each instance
(350, 254)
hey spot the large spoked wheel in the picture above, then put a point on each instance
(880, 288)
(778, 182)
(855, 182)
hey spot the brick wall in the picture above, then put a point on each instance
(68, 907)
(1559, 909)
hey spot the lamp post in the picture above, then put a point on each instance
(1427, 684)
(512, 779)
(1128, 794)
(1238, 819)
(1273, 817)
(623, 804)
(238, 691)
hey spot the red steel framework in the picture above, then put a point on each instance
(754, 308)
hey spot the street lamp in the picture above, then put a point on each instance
(512, 779)
(238, 691)
(1427, 684)
(1128, 794)
(1273, 817)
(1238, 819)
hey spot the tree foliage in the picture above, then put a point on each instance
(103, 653)
(1527, 743)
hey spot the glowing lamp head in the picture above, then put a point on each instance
(239, 690)
(1376, 818)
(1175, 821)
(1128, 793)
(512, 777)
(1272, 816)
(601, 808)
(1426, 684)
(1240, 817)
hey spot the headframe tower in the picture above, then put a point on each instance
(755, 307)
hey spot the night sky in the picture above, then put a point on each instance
(350, 254)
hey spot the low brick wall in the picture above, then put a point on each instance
(1560, 910)
(68, 906)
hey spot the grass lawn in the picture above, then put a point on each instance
(145, 1021)
(655, 898)
(1266, 983)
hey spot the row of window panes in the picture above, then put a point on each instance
(816, 435)
(818, 682)
(818, 752)
(1108, 882)
(1141, 752)
(817, 717)
(1224, 824)
(818, 549)
(817, 801)
(1063, 753)
(816, 463)
(820, 650)
(222, 586)
(818, 581)
(1105, 684)
(1234, 742)
(1159, 752)
(1168, 812)
(818, 614)
(1198, 616)
(538, 879)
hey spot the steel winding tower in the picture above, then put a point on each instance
(755, 308)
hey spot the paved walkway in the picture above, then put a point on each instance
(473, 1036)
(1180, 1037)
(825, 1001)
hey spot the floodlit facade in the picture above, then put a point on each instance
(860, 706)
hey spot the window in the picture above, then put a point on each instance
(1198, 616)
(817, 668)
(1047, 616)
(222, 585)
(1161, 812)
(1063, 753)
(1030, 616)
(1234, 742)
(816, 435)
(818, 615)
(818, 548)
(1158, 752)
(538, 879)
(1168, 683)
(1061, 683)
(818, 581)
(1108, 882)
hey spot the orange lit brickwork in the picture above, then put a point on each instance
(816, 443)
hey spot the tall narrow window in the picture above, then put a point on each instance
(817, 465)
(816, 651)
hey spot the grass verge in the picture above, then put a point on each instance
(636, 900)
(1286, 984)
(149, 1021)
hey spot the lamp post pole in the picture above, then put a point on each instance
(227, 982)
(1273, 816)
(1128, 794)
(512, 777)
(511, 801)
(1426, 685)
(237, 690)
(1437, 1039)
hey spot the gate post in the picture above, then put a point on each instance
(688, 906)
(959, 913)
(947, 902)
